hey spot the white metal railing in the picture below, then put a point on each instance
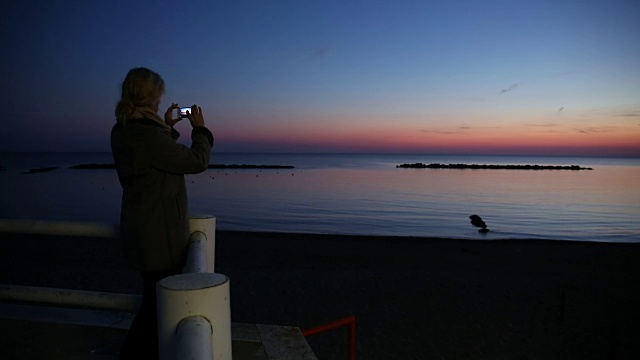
(194, 317)
(193, 338)
(63, 228)
(196, 253)
(69, 297)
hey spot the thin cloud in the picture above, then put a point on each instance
(562, 74)
(515, 85)
(319, 53)
(595, 129)
(542, 125)
(439, 132)
(474, 98)
(621, 111)
(546, 128)
(462, 129)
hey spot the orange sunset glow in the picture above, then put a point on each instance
(616, 138)
(425, 77)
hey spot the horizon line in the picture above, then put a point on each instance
(355, 153)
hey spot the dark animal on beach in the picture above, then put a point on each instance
(477, 221)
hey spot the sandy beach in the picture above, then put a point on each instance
(414, 298)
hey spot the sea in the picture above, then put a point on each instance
(356, 194)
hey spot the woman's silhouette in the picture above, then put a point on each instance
(154, 222)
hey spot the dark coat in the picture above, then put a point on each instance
(154, 223)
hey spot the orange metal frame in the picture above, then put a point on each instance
(349, 321)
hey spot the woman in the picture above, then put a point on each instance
(154, 225)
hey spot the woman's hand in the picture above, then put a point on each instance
(168, 119)
(195, 116)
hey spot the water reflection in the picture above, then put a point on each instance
(421, 202)
(355, 198)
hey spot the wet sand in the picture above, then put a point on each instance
(414, 298)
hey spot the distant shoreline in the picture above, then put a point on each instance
(375, 153)
(245, 166)
(94, 166)
(491, 167)
(40, 170)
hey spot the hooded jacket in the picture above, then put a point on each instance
(154, 222)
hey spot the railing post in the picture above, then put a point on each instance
(197, 260)
(194, 339)
(187, 295)
(207, 225)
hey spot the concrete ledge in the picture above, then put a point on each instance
(249, 341)
(285, 343)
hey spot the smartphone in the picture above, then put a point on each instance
(183, 111)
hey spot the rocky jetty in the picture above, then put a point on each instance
(492, 167)
(210, 166)
(40, 170)
(245, 166)
(93, 166)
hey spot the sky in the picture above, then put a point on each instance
(435, 77)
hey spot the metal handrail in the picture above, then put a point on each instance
(193, 338)
(60, 228)
(196, 253)
(349, 321)
(194, 333)
(69, 297)
(193, 307)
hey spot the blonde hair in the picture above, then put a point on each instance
(141, 87)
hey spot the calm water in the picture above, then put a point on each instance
(358, 194)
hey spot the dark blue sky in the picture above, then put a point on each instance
(416, 76)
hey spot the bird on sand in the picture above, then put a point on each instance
(477, 221)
